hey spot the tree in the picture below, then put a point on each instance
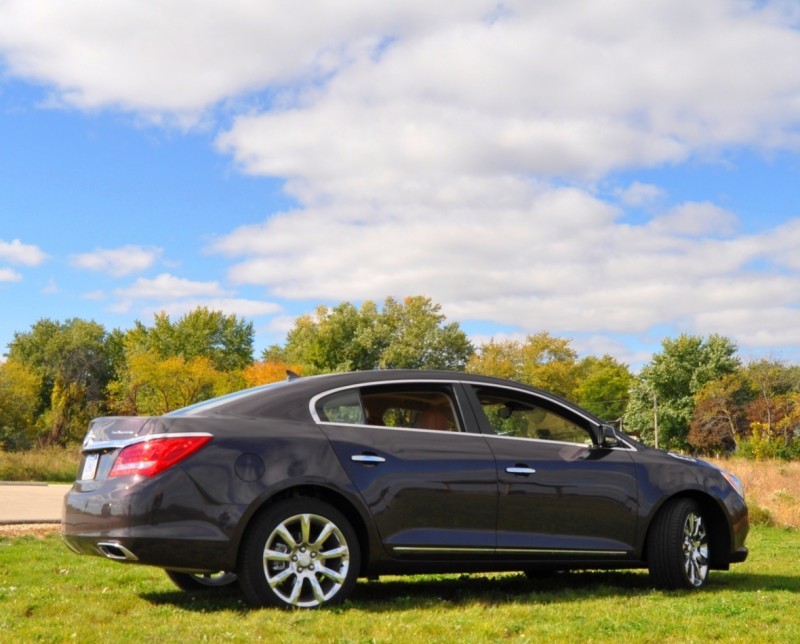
(718, 421)
(342, 338)
(224, 339)
(154, 385)
(74, 361)
(603, 386)
(404, 335)
(416, 337)
(543, 361)
(19, 397)
(667, 386)
(262, 373)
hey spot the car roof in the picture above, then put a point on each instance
(282, 397)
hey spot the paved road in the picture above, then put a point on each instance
(31, 502)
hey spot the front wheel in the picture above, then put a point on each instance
(192, 582)
(303, 553)
(678, 546)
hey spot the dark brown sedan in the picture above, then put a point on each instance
(296, 489)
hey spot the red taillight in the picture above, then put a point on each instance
(148, 458)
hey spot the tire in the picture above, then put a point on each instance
(192, 582)
(678, 546)
(303, 553)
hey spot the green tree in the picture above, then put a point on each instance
(225, 340)
(668, 384)
(603, 386)
(342, 338)
(74, 361)
(416, 337)
(411, 334)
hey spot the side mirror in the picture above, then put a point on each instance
(608, 437)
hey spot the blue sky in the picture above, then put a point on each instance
(612, 173)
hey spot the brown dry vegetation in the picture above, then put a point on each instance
(771, 488)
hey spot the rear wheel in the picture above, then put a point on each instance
(198, 581)
(303, 553)
(678, 546)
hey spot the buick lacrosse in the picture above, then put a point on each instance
(296, 489)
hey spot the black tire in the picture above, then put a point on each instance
(678, 546)
(193, 582)
(303, 553)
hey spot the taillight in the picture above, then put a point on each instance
(150, 457)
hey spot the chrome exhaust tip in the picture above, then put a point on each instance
(116, 551)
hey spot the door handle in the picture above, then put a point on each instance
(520, 470)
(367, 458)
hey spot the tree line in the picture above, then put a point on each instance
(695, 395)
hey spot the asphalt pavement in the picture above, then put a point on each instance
(31, 502)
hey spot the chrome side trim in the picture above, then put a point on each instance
(523, 551)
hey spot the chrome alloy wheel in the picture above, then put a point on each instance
(306, 559)
(695, 549)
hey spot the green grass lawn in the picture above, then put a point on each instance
(49, 594)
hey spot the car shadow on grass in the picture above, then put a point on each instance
(409, 593)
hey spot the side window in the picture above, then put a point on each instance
(400, 406)
(343, 407)
(515, 414)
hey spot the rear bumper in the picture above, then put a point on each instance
(163, 523)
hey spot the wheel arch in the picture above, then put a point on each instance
(321, 493)
(720, 538)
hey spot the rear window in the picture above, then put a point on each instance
(237, 396)
(398, 406)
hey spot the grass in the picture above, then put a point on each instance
(49, 594)
(51, 464)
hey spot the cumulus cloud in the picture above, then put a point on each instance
(9, 275)
(168, 287)
(117, 262)
(237, 306)
(457, 149)
(177, 296)
(16, 252)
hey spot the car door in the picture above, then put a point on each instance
(560, 496)
(430, 486)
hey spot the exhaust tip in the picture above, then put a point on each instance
(116, 551)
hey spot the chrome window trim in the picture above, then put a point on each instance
(312, 405)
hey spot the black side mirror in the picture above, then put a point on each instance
(608, 437)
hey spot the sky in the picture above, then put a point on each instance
(613, 172)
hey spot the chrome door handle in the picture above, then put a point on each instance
(367, 458)
(520, 470)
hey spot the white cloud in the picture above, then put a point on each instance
(453, 149)
(18, 253)
(695, 219)
(639, 194)
(168, 287)
(241, 307)
(117, 262)
(9, 275)
(179, 57)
